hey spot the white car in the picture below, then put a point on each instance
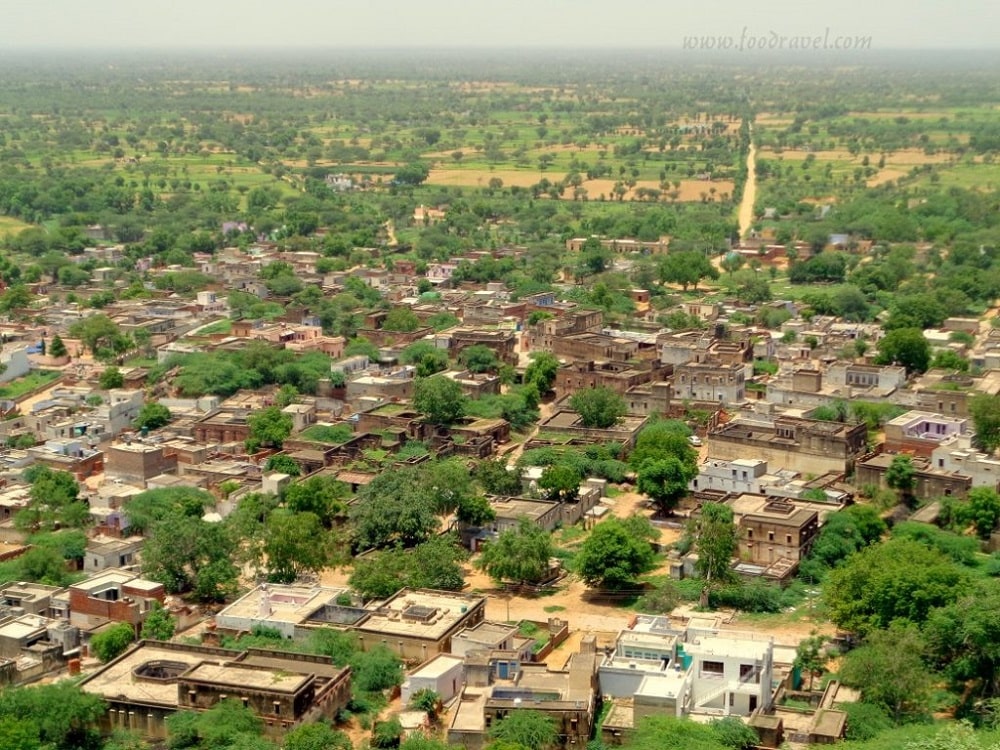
(694, 440)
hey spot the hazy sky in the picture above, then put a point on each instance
(106, 24)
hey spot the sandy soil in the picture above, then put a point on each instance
(481, 177)
(886, 175)
(690, 190)
(749, 191)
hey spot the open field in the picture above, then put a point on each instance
(11, 225)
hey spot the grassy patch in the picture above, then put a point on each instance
(330, 434)
(554, 608)
(219, 326)
(34, 379)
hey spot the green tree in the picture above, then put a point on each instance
(715, 542)
(902, 476)
(845, 532)
(985, 411)
(111, 378)
(665, 481)
(479, 358)
(58, 716)
(561, 482)
(890, 672)
(322, 495)
(99, 333)
(525, 728)
(439, 399)
(428, 358)
(520, 555)
(687, 268)
(616, 553)
(475, 510)
(906, 347)
(375, 670)
(113, 642)
(900, 579)
(294, 543)
(495, 478)
(269, 428)
(227, 724)
(810, 656)
(598, 407)
(159, 624)
(152, 416)
(57, 348)
(186, 553)
(401, 319)
(394, 508)
(963, 639)
(282, 463)
(541, 371)
(54, 502)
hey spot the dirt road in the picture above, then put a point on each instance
(749, 190)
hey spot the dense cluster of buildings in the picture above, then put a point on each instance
(770, 409)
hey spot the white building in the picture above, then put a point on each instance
(739, 475)
(689, 671)
(956, 453)
(15, 363)
(444, 674)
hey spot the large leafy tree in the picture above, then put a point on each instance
(439, 399)
(58, 716)
(598, 407)
(394, 509)
(520, 555)
(686, 268)
(186, 553)
(616, 553)
(54, 502)
(715, 542)
(269, 428)
(294, 543)
(963, 639)
(900, 579)
(902, 476)
(435, 564)
(985, 411)
(665, 481)
(906, 347)
(321, 495)
(541, 371)
(890, 672)
(112, 642)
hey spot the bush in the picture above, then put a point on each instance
(113, 642)
(865, 721)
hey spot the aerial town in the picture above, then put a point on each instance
(366, 460)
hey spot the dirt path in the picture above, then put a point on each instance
(749, 190)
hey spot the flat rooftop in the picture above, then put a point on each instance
(278, 603)
(668, 684)
(489, 632)
(717, 645)
(420, 614)
(438, 666)
(273, 680)
(22, 627)
(514, 507)
(116, 679)
(469, 712)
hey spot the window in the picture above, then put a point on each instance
(712, 669)
(770, 536)
(788, 538)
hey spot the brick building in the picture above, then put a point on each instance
(113, 596)
(136, 462)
